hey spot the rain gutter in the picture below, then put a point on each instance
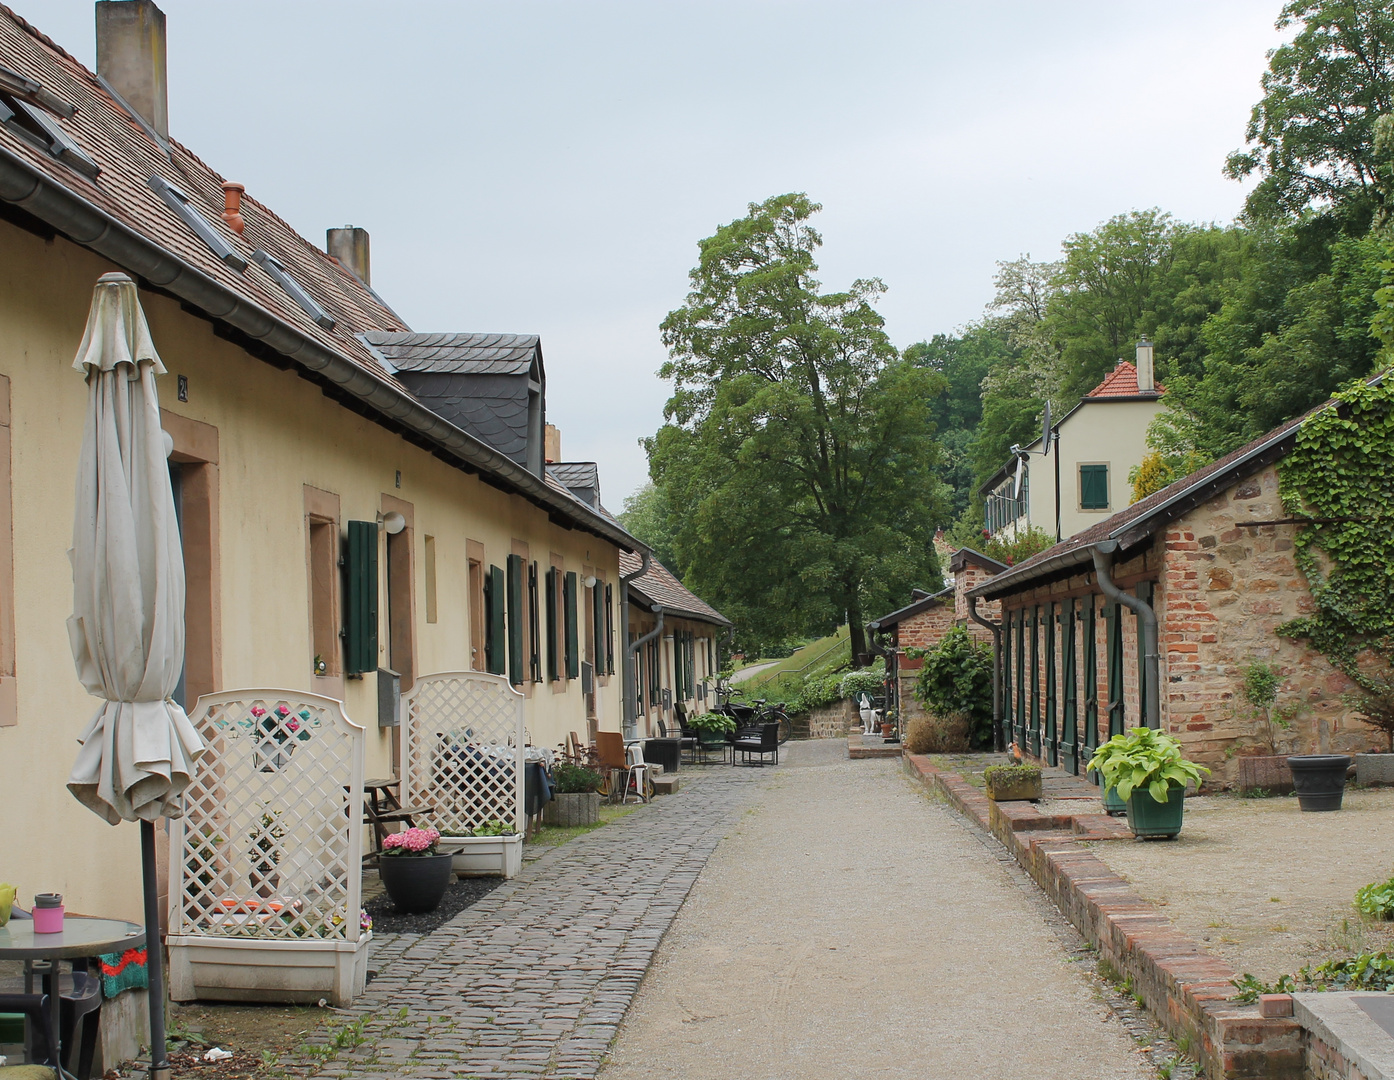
(95, 229)
(1103, 553)
(632, 653)
(630, 706)
(999, 734)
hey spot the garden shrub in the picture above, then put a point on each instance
(573, 779)
(869, 680)
(930, 734)
(956, 680)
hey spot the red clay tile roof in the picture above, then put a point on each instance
(128, 156)
(659, 586)
(1121, 382)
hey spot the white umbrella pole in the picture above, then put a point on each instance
(154, 955)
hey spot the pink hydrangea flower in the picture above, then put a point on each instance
(411, 842)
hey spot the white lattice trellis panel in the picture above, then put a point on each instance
(463, 733)
(270, 843)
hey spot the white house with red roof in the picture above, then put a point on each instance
(1095, 446)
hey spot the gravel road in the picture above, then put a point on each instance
(851, 927)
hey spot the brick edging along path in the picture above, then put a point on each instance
(1187, 989)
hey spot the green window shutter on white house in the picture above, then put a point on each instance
(361, 598)
(516, 615)
(494, 643)
(1093, 487)
(573, 658)
(553, 670)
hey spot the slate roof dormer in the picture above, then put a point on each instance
(492, 385)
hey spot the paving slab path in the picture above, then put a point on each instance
(534, 979)
(852, 927)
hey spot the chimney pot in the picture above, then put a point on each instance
(350, 246)
(232, 206)
(551, 452)
(1146, 376)
(131, 57)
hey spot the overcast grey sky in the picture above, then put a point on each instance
(548, 167)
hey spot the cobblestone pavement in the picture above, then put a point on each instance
(851, 927)
(534, 979)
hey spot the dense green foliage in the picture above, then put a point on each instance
(804, 463)
(646, 516)
(1144, 758)
(572, 779)
(870, 680)
(956, 679)
(1340, 477)
(1376, 900)
(798, 458)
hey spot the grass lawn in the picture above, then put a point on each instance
(837, 647)
(555, 835)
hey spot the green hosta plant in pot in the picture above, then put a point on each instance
(1149, 773)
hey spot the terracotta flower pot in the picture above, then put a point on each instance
(415, 882)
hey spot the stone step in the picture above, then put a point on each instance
(666, 785)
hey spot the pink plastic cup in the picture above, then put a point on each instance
(48, 913)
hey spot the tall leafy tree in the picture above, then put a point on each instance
(647, 516)
(798, 455)
(1313, 136)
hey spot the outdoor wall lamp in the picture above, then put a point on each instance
(391, 522)
(590, 582)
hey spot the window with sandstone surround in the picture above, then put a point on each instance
(474, 552)
(322, 564)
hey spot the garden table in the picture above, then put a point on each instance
(81, 937)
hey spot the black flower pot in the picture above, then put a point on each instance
(415, 882)
(1319, 780)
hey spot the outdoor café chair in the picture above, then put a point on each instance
(760, 740)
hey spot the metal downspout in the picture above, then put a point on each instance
(633, 653)
(999, 734)
(1103, 553)
(630, 708)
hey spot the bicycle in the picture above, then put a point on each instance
(758, 711)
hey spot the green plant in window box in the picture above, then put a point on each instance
(1148, 771)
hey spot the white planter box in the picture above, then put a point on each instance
(485, 856)
(245, 969)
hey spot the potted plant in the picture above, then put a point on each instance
(1150, 774)
(489, 850)
(1319, 780)
(575, 800)
(713, 730)
(414, 871)
(1013, 783)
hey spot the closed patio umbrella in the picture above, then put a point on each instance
(127, 628)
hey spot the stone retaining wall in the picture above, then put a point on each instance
(833, 721)
(1186, 989)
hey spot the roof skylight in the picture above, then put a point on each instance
(180, 203)
(282, 277)
(35, 126)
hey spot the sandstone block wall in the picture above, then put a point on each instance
(1228, 585)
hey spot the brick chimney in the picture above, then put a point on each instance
(350, 246)
(131, 57)
(1146, 377)
(551, 445)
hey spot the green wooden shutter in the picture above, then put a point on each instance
(598, 626)
(361, 598)
(494, 642)
(553, 668)
(534, 626)
(1093, 487)
(609, 631)
(516, 615)
(573, 657)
